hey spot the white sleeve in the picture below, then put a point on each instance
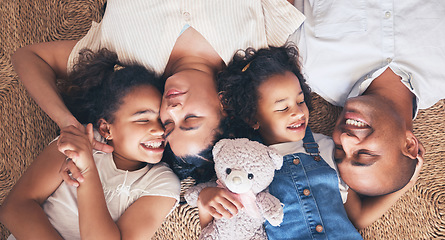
(281, 19)
(91, 41)
(326, 146)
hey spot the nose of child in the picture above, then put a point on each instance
(297, 112)
(157, 129)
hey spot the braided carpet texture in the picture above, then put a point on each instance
(25, 129)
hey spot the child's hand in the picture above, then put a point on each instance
(77, 146)
(69, 167)
(72, 121)
(219, 202)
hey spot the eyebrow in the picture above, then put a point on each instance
(190, 128)
(284, 99)
(184, 129)
(374, 158)
(368, 163)
(151, 111)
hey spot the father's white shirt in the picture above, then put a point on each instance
(345, 45)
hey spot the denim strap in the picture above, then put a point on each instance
(310, 145)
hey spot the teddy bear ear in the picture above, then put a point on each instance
(217, 148)
(277, 159)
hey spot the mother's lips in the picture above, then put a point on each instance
(172, 93)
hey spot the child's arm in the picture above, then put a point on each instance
(21, 212)
(144, 217)
(363, 211)
(95, 221)
(140, 220)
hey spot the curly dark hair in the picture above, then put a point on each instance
(98, 83)
(238, 84)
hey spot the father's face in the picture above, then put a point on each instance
(368, 140)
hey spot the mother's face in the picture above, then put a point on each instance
(190, 111)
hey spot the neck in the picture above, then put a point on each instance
(192, 50)
(126, 164)
(195, 63)
(389, 87)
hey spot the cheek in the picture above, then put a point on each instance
(336, 136)
(306, 111)
(349, 174)
(163, 114)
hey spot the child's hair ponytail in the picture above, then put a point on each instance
(98, 82)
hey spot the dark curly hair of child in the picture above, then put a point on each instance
(98, 83)
(238, 84)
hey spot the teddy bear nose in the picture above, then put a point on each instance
(237, 180)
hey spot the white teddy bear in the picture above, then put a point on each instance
(246, 168)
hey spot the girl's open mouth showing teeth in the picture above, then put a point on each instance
(295, 126)
(355, 123)
(153, 144)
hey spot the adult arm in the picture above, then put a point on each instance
(38, 66)
(21, 212)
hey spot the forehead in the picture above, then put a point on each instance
(141, 97)
(279, 86)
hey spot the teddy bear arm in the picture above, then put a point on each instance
(270, 207)
(191, 195)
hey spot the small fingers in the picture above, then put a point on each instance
(223, 206)
(231, 197)
(214, 213)
(72, 155)
(90, 133)
(223, 209)
(70, 173)
(102, 147)
(75, 171)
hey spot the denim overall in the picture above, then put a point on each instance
(308, 188)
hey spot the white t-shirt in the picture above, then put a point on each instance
(121, 189)
(345, 45)
(326, 148)
(145, 32)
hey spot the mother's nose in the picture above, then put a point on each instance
(174, 105)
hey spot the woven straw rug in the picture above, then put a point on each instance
(25, 129)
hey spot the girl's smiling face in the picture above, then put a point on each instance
(136, 133)
(282, 114)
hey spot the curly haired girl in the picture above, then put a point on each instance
(266, 98)
(121, 195)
